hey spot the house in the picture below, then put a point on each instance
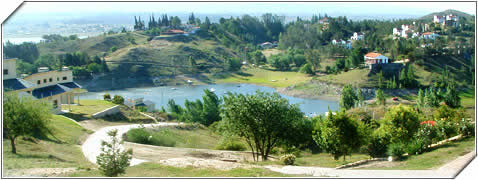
(347, 44)
(375, 58)
(430, 35)
(173, 32)
(357, 36)
(448, 20)
(139, 102)
(56, 87)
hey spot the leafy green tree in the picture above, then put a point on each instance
(338, 134)
(380, 97)
(257, 57)
(24, 116)
(262, 119)
(400, 123)
(452, 98)
(360, 98)
(117, 99)
(348, 97)
(107, 97)
(307, 69)
(192, 111)
(113, 161)
(174, 108)
(313, 58)
(211, 108)
(299, 60)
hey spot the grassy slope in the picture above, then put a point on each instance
(434, 158)
(198, 138)
(62, 151)
(265, 77)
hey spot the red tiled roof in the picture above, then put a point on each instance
(372, 54)
(428, 33)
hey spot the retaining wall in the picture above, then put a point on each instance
(109, 111)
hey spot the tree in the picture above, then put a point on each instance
(112, 161)
(117, 99)
(307, 69)
(451, 97)
(420, 98)
(211, 108)
(313, 58)
(338, 134)
(380, 97)
(24, 116)
(347, 98)
(107, 97)
(400, 123)
(380, 79)
(360, 98)
(262, 119)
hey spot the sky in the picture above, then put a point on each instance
(286, 8)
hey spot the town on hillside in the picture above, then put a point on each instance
(187, 90)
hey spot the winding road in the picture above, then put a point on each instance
(91, 148)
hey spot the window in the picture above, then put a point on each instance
(57, 79)
(38, 82)
(5, 72)
(51, 79)
(55, 104)
(64, 78)
(44, 80)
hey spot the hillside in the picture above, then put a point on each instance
(429, 17)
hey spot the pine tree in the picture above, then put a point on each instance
(380, 97)
(380, 80)
(420, 99)
(360, 97)
(403, 78)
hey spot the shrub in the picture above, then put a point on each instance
(288, 159)
(112, 160)
(396, 150)
(417, 146)
(446, 129)
(466, 128)
(163, 140)
(139, 135)
(113, 49)
(427, 132)
(400, 123)
(107, 97)
(118, 99)
(377, 146)
(231, 144)
(291, 150)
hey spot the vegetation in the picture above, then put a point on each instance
(205, 112)
(117, 99)
(25, 117)
(262, 119)
(112, 160)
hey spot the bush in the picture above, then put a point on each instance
(107, 97)
(417, 146)
(231, 144)
(377, 146)
(466, 128)
(139, 135)
(113, 49)
(446, 129)
(291, 150)
(396, 150)
(288, 159)
(163, 140)
(118, 99)
(427, 132)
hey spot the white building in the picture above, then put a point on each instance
(347, 44)
(448, 20)
(138, 102)
(54, 86)
(375, 58)
(357, 36)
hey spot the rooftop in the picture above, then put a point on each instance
(372, 54)
(16, 84)
(50, 91)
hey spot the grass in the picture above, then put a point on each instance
(320, 160)
(199, 137)
(88, 107)
(269, 52)
(158, 170)
(266, 77)
(59, 151)
(434, 158)
(355, 76)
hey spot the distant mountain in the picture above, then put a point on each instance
(449, 11)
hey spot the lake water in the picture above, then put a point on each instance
(161, 95)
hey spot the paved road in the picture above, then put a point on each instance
(448, 170)
(91, 147)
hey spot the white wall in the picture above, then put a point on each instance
(50, 78)
(9, 65)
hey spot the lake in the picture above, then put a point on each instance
(161, 95)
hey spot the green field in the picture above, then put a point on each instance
(61, 150)
(265, 77)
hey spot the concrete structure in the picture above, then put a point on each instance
(54, 86)
(109, 111)
(375, 58)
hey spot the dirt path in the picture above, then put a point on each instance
(38, 172)
(449, 170)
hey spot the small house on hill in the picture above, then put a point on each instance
(173, 32)
(375, 58)
(138, 102)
